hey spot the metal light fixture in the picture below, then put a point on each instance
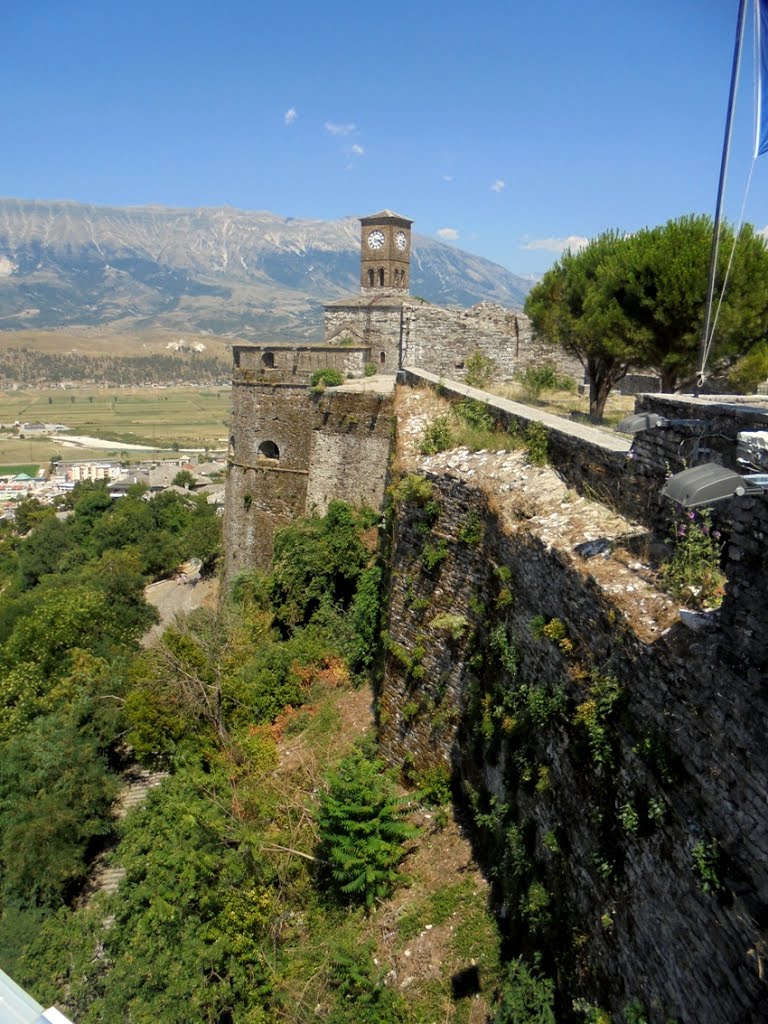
(640, 421)
(710, 483)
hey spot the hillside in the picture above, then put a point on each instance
(218, 270)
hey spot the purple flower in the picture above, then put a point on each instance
(681, 530)
(716, 534)
(691, 515)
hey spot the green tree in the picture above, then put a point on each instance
(41, 551)
(660, 282)
(569, 307)
(56, 793)
(639, 301)
(28, 512)
(363, 831)
(316, 560)
(184, 478)
(750, 370)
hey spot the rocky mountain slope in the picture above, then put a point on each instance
(220, 270)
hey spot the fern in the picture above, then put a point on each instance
(363, 831)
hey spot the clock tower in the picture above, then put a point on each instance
(385, 256)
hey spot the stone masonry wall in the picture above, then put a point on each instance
(275, 364)
(350, 451)
(375, 324)
(291, 451)
(442, 340)
(617, 780)
(629, 476)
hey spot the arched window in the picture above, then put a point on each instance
(382, 357)
(268, 360)
(381, 277)
(371, 281)
(269, 450)
(231, 447)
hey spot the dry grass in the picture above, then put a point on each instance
(570, 405)
(106, 341)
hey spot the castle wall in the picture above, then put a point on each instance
(616, 771)
(375, 324)
(442, 340)
(296, 363)
(617, 782)
(350, 451)
(292, 450)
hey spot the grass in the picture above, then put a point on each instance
(29, 468)
(435, 908)
(159, 417)
(570, 405)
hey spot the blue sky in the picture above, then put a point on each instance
(504, 127)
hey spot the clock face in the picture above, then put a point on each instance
(401, 241)
(375, 239)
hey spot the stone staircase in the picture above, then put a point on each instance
(104, 877)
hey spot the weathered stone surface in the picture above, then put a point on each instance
(404, 331)
(637, 915)
(291, 451)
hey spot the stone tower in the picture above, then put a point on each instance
(385, 241)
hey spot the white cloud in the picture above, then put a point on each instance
(290, 116)
(573, 242)
(449, 234)
(7, 267)
(339, 129)
(357, 150)
(447, 177)
(498, 185)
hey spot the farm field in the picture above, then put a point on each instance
(161, 418)
(103, 341)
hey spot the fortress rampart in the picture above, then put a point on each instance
(293, 448)
(612, 758)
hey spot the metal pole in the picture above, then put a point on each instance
(720, 190)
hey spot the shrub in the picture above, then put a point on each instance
(327, 378)
(479, 370)
(750, 370)
(454, 625)
(535, 379)
(416, 489)
(693, 574)
(537, 443)
(434, 555)
(363, 831)
(438, 436)
(526, 997)
(471, 530)
(370, 369)
(706, 863)
(475, 413)
(434, 786)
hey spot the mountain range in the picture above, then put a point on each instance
(213, 270)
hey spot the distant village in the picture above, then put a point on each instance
(154, 475)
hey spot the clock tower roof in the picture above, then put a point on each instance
(386, 215)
